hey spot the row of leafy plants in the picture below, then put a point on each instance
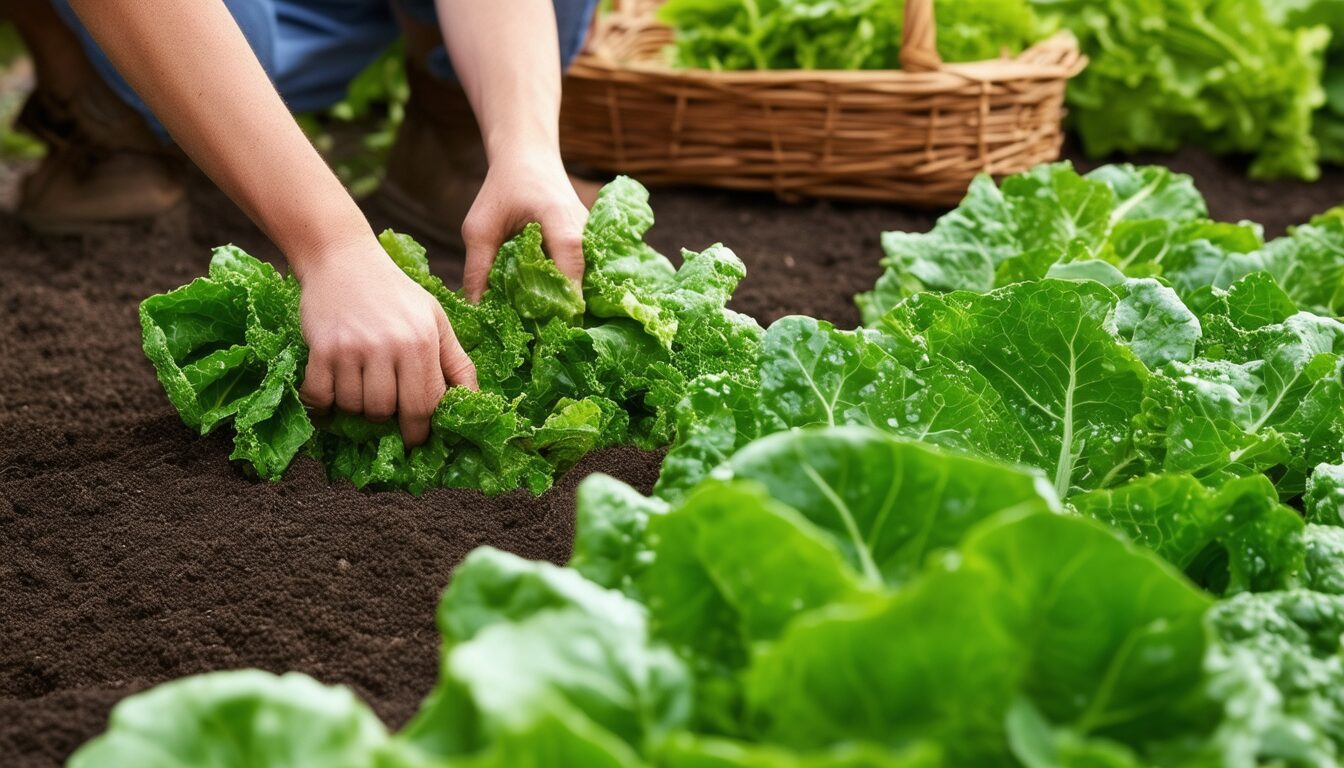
(1073, 497)
(1252, 77)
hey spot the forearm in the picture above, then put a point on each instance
(509, 66)
(192, 65)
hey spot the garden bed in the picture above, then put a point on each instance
(131, 553)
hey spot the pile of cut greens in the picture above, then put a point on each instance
(1075, 497)
(835, 34)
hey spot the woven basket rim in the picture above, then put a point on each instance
(916, 135)
(1055, 57)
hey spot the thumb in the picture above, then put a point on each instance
(563, 237)
(458, 370)
(482, 239)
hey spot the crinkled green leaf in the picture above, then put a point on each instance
(824, 34)
(556, 381)
(1278, 670)
(1043, 222)
(810, 374)
(530, 281)
(1221, 75)
(1324, 501)
(1273, 403)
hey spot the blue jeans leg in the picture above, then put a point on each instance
(312, 49)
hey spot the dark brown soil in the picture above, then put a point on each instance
(131, 553)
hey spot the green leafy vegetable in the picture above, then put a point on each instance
(1214, 73)
(1144, 221)
(230, 719)
(559, 377)
(1075, 499)
(836, 34)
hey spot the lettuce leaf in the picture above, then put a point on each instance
(1213, 73)
(230, 719)
(562, 373)
(835, 34)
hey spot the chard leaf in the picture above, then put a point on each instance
(1116, 656)
(1046, 349)
(507, 688)
(1308, 264)
(610, 547)
(1155, 324)
(886, 503)
(247, 717)
(958, 665)
(1236, 538)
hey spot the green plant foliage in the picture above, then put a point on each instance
(561, 374)
(1144, 221)
(232, 719)
(835, 34)
(1328, 122)
(1214, 73)
(793, 615)
(1076, 499)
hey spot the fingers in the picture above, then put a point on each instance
(319, 386)
(349, 385)
(454, 364)
(482, 236)
(563, 238)
(420, 386)
(380, 389)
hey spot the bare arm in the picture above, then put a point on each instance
(378, 343)
(508, 59)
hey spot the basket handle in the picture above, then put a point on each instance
(919, 38)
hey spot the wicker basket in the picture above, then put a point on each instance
(915, 135)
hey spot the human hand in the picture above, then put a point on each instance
(378, 343)
(519, 189)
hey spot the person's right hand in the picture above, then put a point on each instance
(378, 343)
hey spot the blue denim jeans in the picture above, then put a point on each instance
(312, 49)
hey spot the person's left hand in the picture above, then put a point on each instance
(520, 189)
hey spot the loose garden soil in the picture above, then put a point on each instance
(132, 553)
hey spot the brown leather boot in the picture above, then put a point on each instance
(104, 166)
(45, 118)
